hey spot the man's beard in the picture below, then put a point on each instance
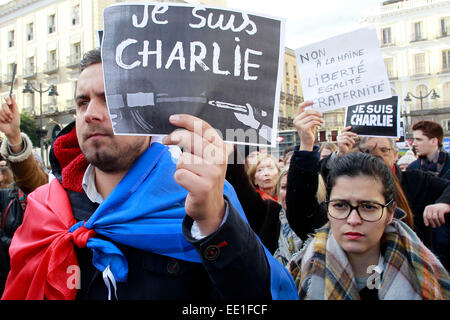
(114, 158)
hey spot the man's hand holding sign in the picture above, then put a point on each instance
(201, 170)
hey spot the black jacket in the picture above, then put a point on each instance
(305, 214)
(444, 173)
(234, 264)
(263, 215)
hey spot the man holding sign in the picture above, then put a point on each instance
(124, 198)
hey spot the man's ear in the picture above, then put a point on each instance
(435, 141)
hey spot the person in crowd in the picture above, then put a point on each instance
(428, 196)
(363, 252)
(6, 178)
(263, 174)
(428, 139)
(327, 149)
(420, 195)
(288, 242)
(17, 149)
(262, 214)
(250, 159)
(406, 160)
(123, 218)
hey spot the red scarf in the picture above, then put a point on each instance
(42, 252)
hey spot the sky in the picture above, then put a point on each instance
(309, 21)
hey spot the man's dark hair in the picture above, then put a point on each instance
(91, 57)
(430, 129)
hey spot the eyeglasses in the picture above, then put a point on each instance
(383, 150)
(367, 211)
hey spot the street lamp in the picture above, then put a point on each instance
(421, 97)
(41, 132)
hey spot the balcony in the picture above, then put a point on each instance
(7, 79)
(29, 72)
(420, 71)
(51, 67)
(416, 37)
(73, 61)
(392, 75)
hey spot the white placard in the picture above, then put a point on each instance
(344, 70)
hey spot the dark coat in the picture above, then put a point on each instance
(263, 215)
(234, 264)
(444, 173)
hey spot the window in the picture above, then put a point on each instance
(286, 66)
(419, 63)
(295, 72)
(288, 88)
(445, 124)
(76, 15)
(10, 69)
(52, 57)
(446, 59)
(417, 35)
(30, 31)
(389, 63)
(76, 50)
(445, 93)
(334, 135)
(29, 65)
(445, 23)
(51, 23)
(386, 36)
(10, 38)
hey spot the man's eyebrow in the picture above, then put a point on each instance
(85, 96)
(81, 96)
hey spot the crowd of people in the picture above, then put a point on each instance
(133, 217)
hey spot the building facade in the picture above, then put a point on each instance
(46, 40)
(415, 43)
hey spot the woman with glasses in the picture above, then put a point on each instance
(363, 252)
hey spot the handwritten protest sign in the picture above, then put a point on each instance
(344, 70)
(220, 65)
(379, 118)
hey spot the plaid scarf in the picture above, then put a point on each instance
(411, 272)
(434, 166)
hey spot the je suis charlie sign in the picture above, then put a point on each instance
(220, 65)
(379, 118)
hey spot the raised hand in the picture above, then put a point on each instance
(201, 170)
(10, 121)
(306, 123)
(346, 140)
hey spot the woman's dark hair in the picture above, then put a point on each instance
(354, 164)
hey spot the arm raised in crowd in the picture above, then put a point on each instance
(304, 213)
(262, 214)
(17, 149)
